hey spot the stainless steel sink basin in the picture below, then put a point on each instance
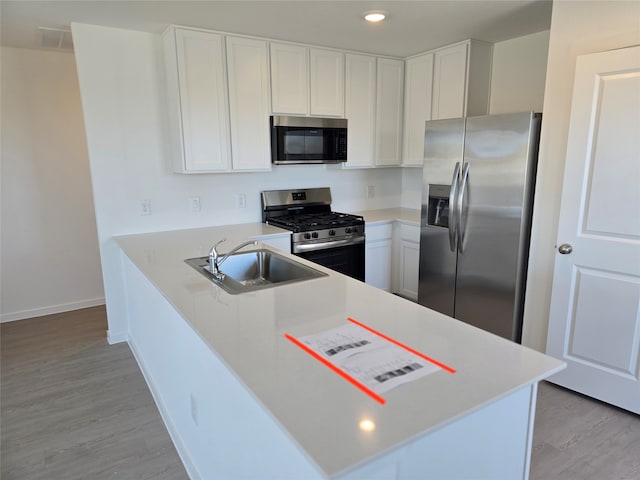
(255, 270)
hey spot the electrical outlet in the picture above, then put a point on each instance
(371, 191)
(144, 207)
(241, 200)
(194, 409)
(195, 204)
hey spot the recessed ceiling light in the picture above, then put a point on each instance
(374, 17)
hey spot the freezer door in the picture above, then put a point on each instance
(444, 141)
(494, 210)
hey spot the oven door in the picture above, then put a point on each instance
(346, 259)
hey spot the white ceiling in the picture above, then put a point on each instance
(412, 26)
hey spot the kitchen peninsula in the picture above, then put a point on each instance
(241, 401)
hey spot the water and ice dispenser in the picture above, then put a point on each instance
(438, 209)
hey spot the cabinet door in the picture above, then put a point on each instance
(417, 107)
(378, 255)
(248, 74)
(378, 264)
(449, 82)
(409, 261)
(289, 79)
(360, 109)
(326, 72)
(202, 100)
(390, 82)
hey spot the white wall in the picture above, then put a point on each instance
(121, 78)
(50, 257)
(577, 28)
(518, 74)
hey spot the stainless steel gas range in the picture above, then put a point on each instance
(332, 239)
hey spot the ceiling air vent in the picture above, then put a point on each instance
(55, 38)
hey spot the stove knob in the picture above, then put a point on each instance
(355, 229)
(332, 232)
(307, 236)
(347, 230)
(314, 234)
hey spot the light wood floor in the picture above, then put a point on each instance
(73, 407)
(579, 438)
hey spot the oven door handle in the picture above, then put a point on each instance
(311, 247)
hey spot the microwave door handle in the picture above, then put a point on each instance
(453, 198)
(461, 207)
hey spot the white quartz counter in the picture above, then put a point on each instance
(405, 215)
(317, 408)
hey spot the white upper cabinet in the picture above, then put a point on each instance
(373, 107)
(417, 107)
(289, 79)
(249, 108)
(218, 104)
(450, 77)
(197, 101)
(360, 109)
(307, 81)
(222, 89)
(450, 82)
(326, 74)
(389, 99)
(461, 80)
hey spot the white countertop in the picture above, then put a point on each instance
(405, 215)
(320, 410)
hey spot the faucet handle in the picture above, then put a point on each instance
(213, 250)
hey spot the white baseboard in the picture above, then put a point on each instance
(39, 312)
(191, 469)
(117, 337)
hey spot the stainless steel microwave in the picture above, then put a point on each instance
(300, 140)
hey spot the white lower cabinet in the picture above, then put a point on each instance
(407, 261)
(392, 257)
(378, 255)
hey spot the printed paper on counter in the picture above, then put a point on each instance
(370, 359)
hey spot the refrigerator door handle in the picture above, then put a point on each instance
(460, 206)
(453, 198)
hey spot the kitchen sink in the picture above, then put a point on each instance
(255, 270)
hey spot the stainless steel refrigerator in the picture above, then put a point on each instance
(477, 196)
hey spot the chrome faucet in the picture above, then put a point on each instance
(215, 260)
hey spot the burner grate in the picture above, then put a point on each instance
(306, 222)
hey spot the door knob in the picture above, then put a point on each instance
(565, 249)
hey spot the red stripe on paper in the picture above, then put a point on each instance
(402, 345)
(340, 372)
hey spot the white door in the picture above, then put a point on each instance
(594, 320)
